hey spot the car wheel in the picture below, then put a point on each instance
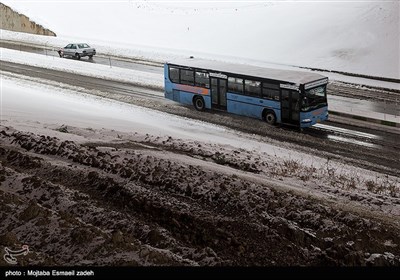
(77, 56)
(270, 118)
(198, 103)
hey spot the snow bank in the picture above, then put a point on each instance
(79, 67)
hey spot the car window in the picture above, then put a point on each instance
(81, 46)
(73, 47)
(68, 46)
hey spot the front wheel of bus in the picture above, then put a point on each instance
(198, 103)
(270, 118)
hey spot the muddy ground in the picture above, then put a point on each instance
(101, 197)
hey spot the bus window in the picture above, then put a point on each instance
(187, 77)
(252, 88)
(235, 85)
(174, 74)
(270, 91)
(318, 91)
(202, 79)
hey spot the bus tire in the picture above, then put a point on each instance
(198, 103)
(270, 117)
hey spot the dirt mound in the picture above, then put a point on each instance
(157, 202)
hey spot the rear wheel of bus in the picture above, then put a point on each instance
(198, 103)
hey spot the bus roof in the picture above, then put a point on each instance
(290, 76)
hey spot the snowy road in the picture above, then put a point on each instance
(31, 101)
(62, 109)
(380, 105)
(123, 184)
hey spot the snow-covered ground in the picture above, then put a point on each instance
(30, 105)
(352, 36)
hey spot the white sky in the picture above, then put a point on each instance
(352, 36)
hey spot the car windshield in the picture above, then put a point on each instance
(81, 46)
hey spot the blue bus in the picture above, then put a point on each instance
(273, 95)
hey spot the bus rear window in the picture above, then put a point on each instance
(174, 74)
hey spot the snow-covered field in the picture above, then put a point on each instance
(118, 184)
(30, 102)
(351, 36)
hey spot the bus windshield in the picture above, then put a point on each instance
(314, 98)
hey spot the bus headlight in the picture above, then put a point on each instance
(306, 121)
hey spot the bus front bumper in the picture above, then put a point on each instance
(307, 122)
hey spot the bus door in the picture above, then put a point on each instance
(218, 93)
(290, 106)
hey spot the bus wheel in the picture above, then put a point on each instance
(270, 118)
(198, 103)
